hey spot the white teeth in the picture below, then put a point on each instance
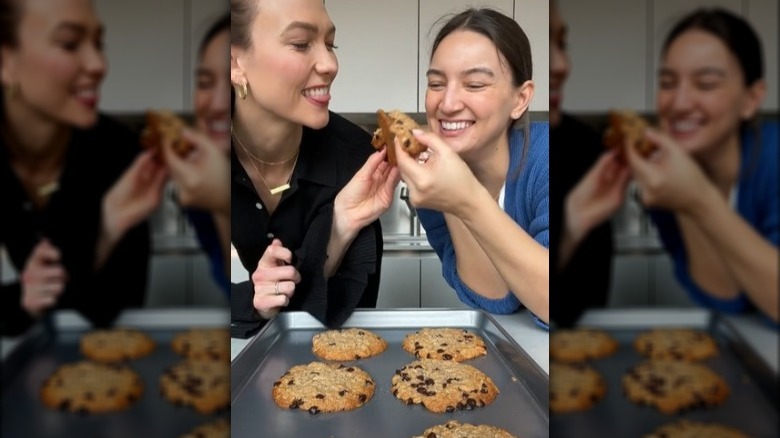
(454, 126)
(219, 126)
(684, 125)
(315, 91)
(86, 92)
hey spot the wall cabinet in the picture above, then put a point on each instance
(183, 280)
(640, 280)
(615, 54)
(384, 49)
(415, 280)
(151, 50)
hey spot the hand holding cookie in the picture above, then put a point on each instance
(274, 280)
(202, 176)
(442, 180)
(670, 178)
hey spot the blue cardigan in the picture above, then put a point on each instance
(758, 197)
(526, 201)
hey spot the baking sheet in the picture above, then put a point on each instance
(521, 407)
(751, 406)
(41, 352)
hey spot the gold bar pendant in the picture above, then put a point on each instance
(279, 189)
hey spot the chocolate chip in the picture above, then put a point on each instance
(431, 435)
(350, 369)
(362, 398)
(447, 356)
(320, 396)
(313, 410)
(342, 392)
(295, 403)
(291, 382)
(450, 409)
(277, 383)
(440, 350)
(65, 404)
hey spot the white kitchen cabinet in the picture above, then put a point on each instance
(434, 290)
(666, 291)
(630, 281)
(167, 281)
(534, 17)
(377, 53)
(399, 284)
(150, 47)
(614, 48)
(607, 46)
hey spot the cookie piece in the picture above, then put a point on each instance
(443, 385)
(88, 387)
(116, 345)
(203, 343)
(164, 126)
(347, 344)
(677, 344)
(574, 387)
(672, 386)
(202, 384)
(627, 127)
(693, 429)
(455, 429)
(321, 387)
(577, 345)
(215, 429)
(394, 124)
(444, 343)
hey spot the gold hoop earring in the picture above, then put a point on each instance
(241, 89)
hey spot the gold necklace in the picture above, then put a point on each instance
(275, 190)
(267, 163)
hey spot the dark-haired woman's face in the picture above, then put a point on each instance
(59, 63)
(212, 90)
(471, 93)
(701, 96)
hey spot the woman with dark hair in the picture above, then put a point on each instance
(75, 241)
(307, 188)
(482, 190)
(712, 187)
(202, 178)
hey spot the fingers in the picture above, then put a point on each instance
(275, 255)
(371, 165)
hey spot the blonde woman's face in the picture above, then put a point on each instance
(291, 63)
(59, 62)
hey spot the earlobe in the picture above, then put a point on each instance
(756, 94)
(524, 95)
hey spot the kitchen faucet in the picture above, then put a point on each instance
(414, 221)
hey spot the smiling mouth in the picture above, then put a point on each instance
(454, 127)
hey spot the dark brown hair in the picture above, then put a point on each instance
(511, 44)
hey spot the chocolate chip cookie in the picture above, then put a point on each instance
(89, 388)
(203, 343)
(214, 429)
(444, 343)
(202, 384)
(581, 344)
(443, 385)
(455, 429)
(320, 387)
(672, 386)
(347, 344)
(116, 344)
(574, 387)
(692, 429)
(678, 344)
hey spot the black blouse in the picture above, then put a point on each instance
(71, 221)
(585, 281)
(328, 159)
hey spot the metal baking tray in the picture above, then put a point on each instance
(751, 407)
(521, 407)
(42, 350)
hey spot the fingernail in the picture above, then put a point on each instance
(417, 131)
